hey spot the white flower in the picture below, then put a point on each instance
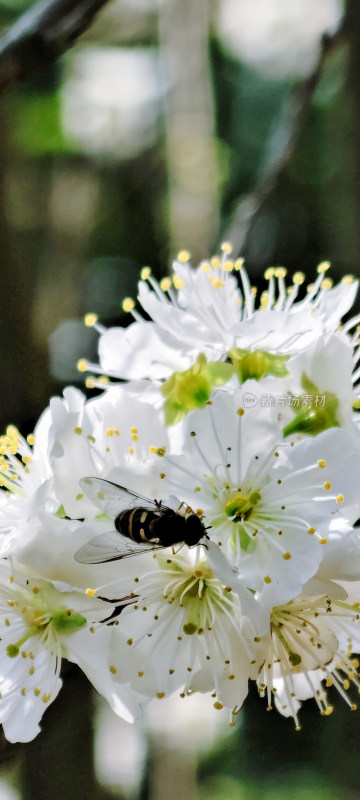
(25, 474)
(270, 505)
(312, 639)
(92, 438)
(188, 631)
(38, 626)
(206, 310)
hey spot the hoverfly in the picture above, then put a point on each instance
(143, 524)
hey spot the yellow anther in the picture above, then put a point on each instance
(311, 531)
(323, 541)
(267, 579)
(82, 365)
(205, 266)
(218, 706)
(309, 287)
(12, 431)
(37, 692)
(215, 262)
(35, 590)
(340, 498)
(145, 273)
(153, 450)
(218, 284)
(178, 282)
(79, 497)
(129, 641)
(90, 383)
(31, 670)
(160, 695)
(128, 304)
(298, 278)
(90, 592)
(30, 439)
(90, 320)
(229, 266)
(226, 247)
(46, 697)
(347, 279)
(165, 284)
(141, 674)
(269, 273)
(109, 432)
(323, 267)
(321, 463)
(23, 691)
(133, 430)
(328, 711)
(327, 283)
(327, 486)
(27, 459)
(286, 556)
(264, 299)
(91, 438)
(183, 256)
(113, 669)
(239, 263)
(135, 437)
(11, 579)
(131, 451)
(161, 451)
(241, 412)
(78, 431)
(280, 272)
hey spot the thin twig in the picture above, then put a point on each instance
(280, 149)
(41, 35)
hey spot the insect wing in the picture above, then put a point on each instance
(112, 498)
(111, 546)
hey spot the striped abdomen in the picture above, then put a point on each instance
(138, 524)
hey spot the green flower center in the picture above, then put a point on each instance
(191, 389)
(257, 364)
(39, 614)
(197, 592)
(317, 415)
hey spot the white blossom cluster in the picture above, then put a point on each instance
(222, 412)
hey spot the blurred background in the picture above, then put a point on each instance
(172, 124)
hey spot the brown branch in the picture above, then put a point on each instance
(280, 149)
(41, 35)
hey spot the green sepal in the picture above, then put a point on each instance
(257, 364)
(191, 389)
